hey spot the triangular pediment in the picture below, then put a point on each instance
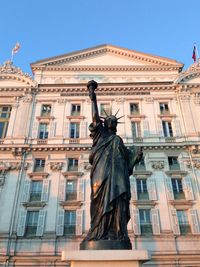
(106, 55)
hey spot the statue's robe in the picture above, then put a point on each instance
(112, 163)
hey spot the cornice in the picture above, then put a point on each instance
(106, 68)
(110, 89)
(18, 150)
(17, 89)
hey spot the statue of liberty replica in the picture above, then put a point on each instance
(112, 164)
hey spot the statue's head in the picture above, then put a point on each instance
(111, 121)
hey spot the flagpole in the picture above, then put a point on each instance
(196, 51)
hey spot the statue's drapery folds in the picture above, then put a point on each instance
(112, 164)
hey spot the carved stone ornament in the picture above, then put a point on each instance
(56, 166)
(196, 164)
(157, 165)
(61, 100)
(148, 100)
(11, 166)
(185, 97)
(27, 99)
(8, 68)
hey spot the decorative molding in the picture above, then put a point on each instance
(149, 100)
(196, 164)
(61, 100)
(11, 166)
(157, 165)
(106, 68)
(56, 166)
(27, 99)
(8, 70)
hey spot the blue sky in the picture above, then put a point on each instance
(47, 28)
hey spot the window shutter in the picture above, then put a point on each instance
(41, 222)
(160, 128)
(83, 129)
(133, 187)
(79, 222)
(21, 223)
(45, 190)
(187, 186)
(175, 223)
(81, 189)
(52, 132)
(146, 131)
(194, 221)
(62, 190)
(151, 187)
(60, 223)
(26, 191)
(66, 130)
(35, 130)
(170, 194)
(155, 221)
(177, 125)
(135, 219)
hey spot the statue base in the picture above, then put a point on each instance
(106, 258)
(105, 245)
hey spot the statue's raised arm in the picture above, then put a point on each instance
(92, 85)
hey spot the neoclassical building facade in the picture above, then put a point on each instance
(45, 144)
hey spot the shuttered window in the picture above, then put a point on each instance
(70, 222)
(36, 191)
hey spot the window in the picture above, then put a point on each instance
(72, 164)
(183, 222)
(145, 221)
(164, 108)
(140, 166)
(142, 189)
(70, 222)
(76, 109)
(74, 129)
(43, 131)
(31, 222)
(173, 163)
(136, 129)
(36, 191)
(4, 119)
(177, 188)
(39, 165)
(105, 109)
(71, 190)
(134, 109)
(46, 111)
(167, 129)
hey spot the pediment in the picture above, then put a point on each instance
(11, 76)
(191, 75)
(106, 55)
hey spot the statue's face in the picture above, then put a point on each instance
(111, 122)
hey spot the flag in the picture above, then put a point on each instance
(16, 48)
(194, 54)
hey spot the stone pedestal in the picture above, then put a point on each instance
(106, 258)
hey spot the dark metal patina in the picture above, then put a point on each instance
(112, 164)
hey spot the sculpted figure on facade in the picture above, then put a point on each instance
(112, 163)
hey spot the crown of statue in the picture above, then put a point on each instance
(112, 117)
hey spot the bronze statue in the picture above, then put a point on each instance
(112, 164)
